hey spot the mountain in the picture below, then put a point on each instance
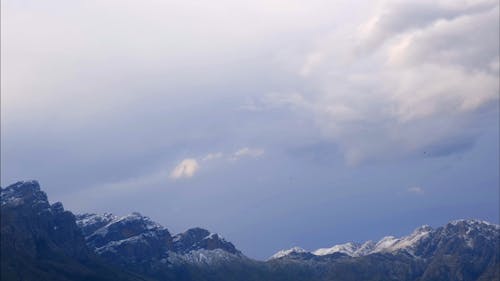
(460, 250)
(42, 241)
(388, 244)
(136, 241)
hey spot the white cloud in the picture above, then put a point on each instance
(247, 152)
(213, 156)
(417, 74)
(186, 169)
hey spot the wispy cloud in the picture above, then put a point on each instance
(185, 169)
(188, 167)
(247, 152)
(213, 156)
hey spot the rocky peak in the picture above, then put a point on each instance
(198, 239)
(24, 193)
(103, 229)
(40, 228)
(423, 241)
(289, 252)
(89, 223)
(471, 226)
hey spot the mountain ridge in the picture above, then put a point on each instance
(385, 244)
(45, 242)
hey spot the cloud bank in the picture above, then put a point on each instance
(411, 77)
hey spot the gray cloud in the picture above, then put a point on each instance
(425, 68)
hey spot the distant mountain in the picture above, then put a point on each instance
(138, 242)
(460, 250)
(40, 241)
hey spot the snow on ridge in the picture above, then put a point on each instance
(90, 219)
(149, 223)
(473, 222)
(391, 244)
(111, 246)
(386, 244)
(110, 219)
(348, 248)
(214, 235)
(15, 194)
(202, 257)
(284, 253)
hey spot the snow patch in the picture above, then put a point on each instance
(203, 257)
(284, 253)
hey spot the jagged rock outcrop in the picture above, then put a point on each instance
(40, 241)
(135, 240)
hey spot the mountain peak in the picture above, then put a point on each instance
(24, 193)
(199, 238)
(472, 223)
(284, 253)
(465, 229)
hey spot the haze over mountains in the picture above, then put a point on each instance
(42, 241)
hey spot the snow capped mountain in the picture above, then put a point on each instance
(201, 239)
(283, 253)
(45, 242)
(24, 192)
(350, 249)
(408, 243)
(465, 230)
(136, 239)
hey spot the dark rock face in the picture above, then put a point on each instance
(138, 243)
(40, 241)
(35, 227)
(462, 250)
(198, 238)
(133, 240)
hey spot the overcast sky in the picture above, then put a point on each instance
(275, 123)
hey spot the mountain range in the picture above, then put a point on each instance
(42, 241)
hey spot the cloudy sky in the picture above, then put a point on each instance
(275, 123)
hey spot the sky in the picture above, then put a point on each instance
(275, 123)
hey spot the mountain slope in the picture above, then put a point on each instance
(40, 241)
(460, 250)
(137, 243)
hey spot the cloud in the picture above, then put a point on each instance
(247, 152)
(416, 74)
(186, 169)
(415, 190)
(213, 156)
(397, 17)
